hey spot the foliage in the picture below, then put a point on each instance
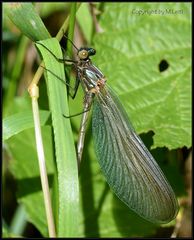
(130, 49)
(159, 100)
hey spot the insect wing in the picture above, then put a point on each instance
(128, 166)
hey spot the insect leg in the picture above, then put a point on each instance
(73, 89)
(58, 59)
(66, 83)
(87, 104)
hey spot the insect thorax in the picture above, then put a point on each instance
(89, 75)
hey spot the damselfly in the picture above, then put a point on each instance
(128, 166)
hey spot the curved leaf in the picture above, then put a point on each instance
(16, 123)
(27, 20)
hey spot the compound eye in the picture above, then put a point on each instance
(83, 54)
(92, 51)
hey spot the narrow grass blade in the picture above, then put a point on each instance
(64, 144)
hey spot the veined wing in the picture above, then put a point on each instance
(128, 166)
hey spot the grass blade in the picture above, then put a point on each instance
(16, 123)
(64, 144)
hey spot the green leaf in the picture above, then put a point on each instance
(15, 74)
(47, 8)
(71, 29)
(25, 169)
(85, 20)
(129, 53)
(25, 17)
(16, 123)
(20, 104)
(5, 229)
(64, 144)
(19, 221)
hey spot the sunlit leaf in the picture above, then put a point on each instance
(129, 53)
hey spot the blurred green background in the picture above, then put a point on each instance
(131, 43)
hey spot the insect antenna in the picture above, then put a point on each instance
(70, 41)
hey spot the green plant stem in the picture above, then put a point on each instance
(70, 36)
(71, 28)
(65, 25)
(42, 164)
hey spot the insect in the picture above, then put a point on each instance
(129, 168)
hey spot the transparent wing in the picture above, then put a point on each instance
(128, 166)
